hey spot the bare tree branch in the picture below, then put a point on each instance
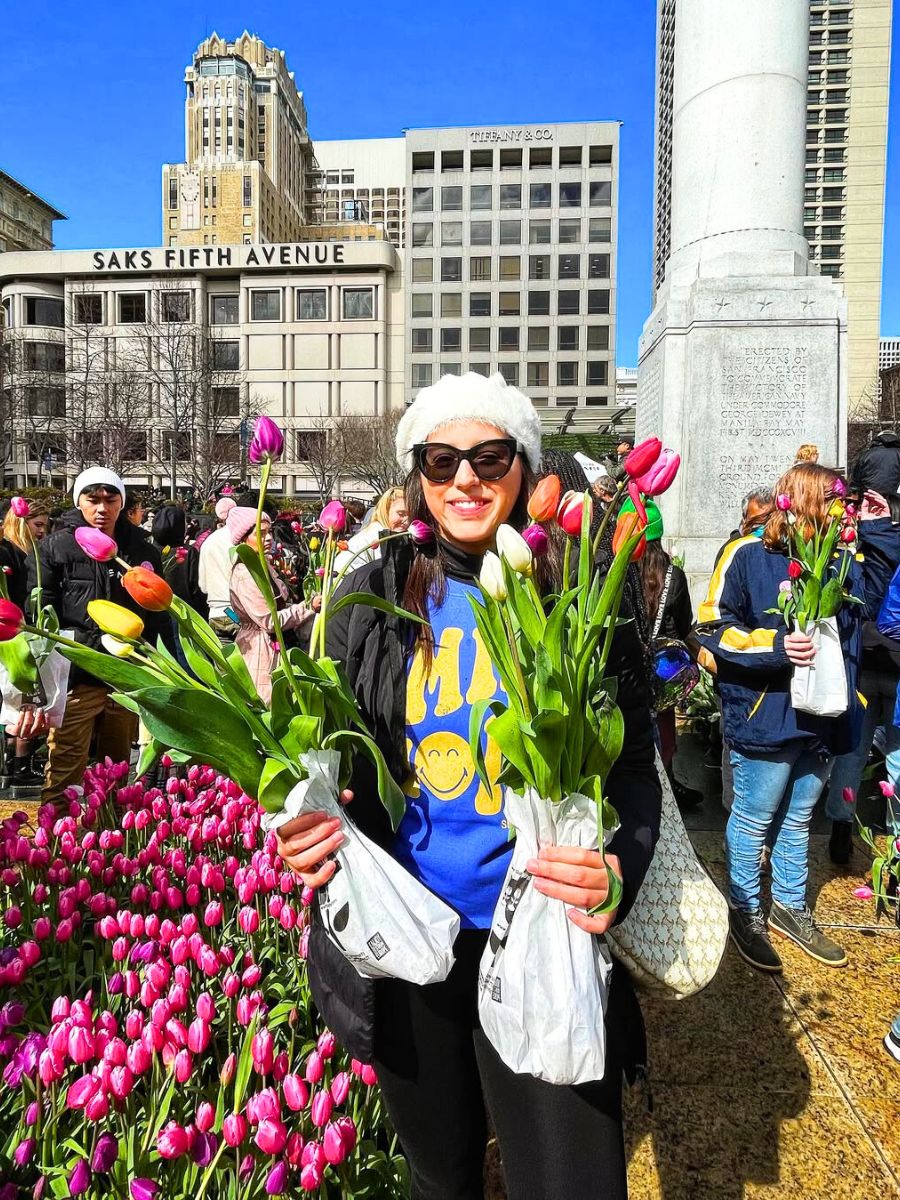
(367, 449)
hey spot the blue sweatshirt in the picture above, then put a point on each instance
(754, 672)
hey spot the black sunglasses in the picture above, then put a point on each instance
(489, 460)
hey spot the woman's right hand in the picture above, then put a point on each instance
(306, 843)
(800, 648)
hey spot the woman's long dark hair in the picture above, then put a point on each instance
(654, 566)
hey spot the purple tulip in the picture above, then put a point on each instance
(105, 1153)
(421, 533)
(267, 441)
(80, 1179)
(535, 537)
(204, 1149)
(277, 1179)
(839, 488)
(144, 1189)
(24, 1152)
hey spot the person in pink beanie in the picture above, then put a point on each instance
(255, 631)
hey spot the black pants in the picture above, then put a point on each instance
(438, 1071)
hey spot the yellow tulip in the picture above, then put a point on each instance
(313, 543)
(837, 508)
(114, 619)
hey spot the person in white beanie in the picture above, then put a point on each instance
(70, 579)
(214, 572)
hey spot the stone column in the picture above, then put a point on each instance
(744, 356)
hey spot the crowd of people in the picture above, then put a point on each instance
(471, 454)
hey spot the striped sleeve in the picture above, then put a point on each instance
(724, 626)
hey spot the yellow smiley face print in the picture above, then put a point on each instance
(444, 764)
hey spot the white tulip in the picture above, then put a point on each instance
(491, 577)
(113, 646)
(514, 549)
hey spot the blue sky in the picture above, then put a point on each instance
(92, 98)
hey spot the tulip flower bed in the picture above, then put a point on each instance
(156, 1033)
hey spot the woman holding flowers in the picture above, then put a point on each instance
(471, 447)
(781, 756)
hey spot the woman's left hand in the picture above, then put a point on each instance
(873, 506)
(577, 877)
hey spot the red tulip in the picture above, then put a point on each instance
(148, 589)
(569, 514)
(642, 457)
(12, 620)
(795, 569)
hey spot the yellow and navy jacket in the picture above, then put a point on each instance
(747, 641)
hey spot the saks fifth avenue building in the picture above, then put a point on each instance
(304, 332)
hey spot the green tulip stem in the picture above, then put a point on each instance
(210, 1170)
(517, 665)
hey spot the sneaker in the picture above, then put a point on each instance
(748, 932)
(892, 1044)
(840, 844)
(798, 925)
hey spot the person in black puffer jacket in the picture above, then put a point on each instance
(181, 563)
(70, 581)
(878, 467)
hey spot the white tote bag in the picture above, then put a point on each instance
(821, 688)
(381, 918)
(543, 982)
(54, 676)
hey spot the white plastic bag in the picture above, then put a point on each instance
(543, 982)
(386, 923)
(821, 688)
(54, 676)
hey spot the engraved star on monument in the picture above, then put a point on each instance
(764, 304)
(722, 303)
(807, 304)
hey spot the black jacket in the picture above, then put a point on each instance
(373, 648)
(13, 563)
(678, 615)
(878, 467)
(71, 580)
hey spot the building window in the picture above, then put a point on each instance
(223, 310)
(480, 269)
(451, 160)
(567, 374)
(538, 337)
(44, 310)
(597, 374)
(600, 156)
(247, 192)
(421, 375)
(510, 233)
(540, 156)
(567, 337)
(510, 160)
(600, 229)
(569, 195)
(422, 160)
(509, 337)
(570, 230)
(422, 270)
(312, 304)
(510, 266)
(480, 339)
(132, 308)
(538, 266)
(598, 301)
(479, 304)
(422, 234)
(480, 195)
(539, 233)
(451, 199)
(567, 303)
(173, 191)
(226, 356)
(570, 156)
(451, 270)
(451, 339)
(88, 309)
(601, 193)
(481, 160)
(359, 303)
(450, 368)
(598, 337)
(226, 401)
(265, 306)
(422, 304)
(570, 265)
(539, 194)
(509, 304)
(510, 195)
(451, 304)
(598, 266)
(510, 372)
(451, 233)
(311, 444)
(539, 304)
(422, 199)
(421, 341)
(480, 233)
(538, 374)
(45, 356)
(43, 401)
(480, 368)
(174, 307)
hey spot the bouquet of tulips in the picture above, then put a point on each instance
(156, 1034)
(812, 596)
(543, 981)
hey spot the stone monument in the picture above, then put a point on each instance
(744, 355)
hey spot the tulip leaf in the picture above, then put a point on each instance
(244, 1065)
(120, 673)
(204, 725)
(276, 781)
(831, 599)
(238, 668)
(199, 663)
(18, 663)
(391, 796)
(303, 734)
(150, 756)
(372, 601)
(477, 715)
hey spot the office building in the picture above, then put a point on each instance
(846, 139)
(888, 360)
(247, 150)
(362, 180)
(104, 363)
(511, 261)
(26, 221)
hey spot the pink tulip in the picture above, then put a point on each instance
(321, 1108)
(315, 1068)
(887, 788)
(267, 441)
(206, 1009)
(248, 919)
(234, 1129)
(340, 1087)
(81, 1045)
(81, 1091)
(206, 1117)
(199, 1036)
(333, 1144)
(228, 1068)
(19, 507)
(848, 795)
(421, 533)
(333, 517)
(262, 1051)
(172, 1141)
(213, 913)
(660, 476)
(783, 502)
(863, 893)
(347, 1127)
(271, 1136)
(296, 1092)
(184, 1066)
(96, 544)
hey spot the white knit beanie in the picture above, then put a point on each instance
(94, 477)
(470, 397)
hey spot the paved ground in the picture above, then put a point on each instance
(777, 1088)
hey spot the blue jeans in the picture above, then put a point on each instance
(880, 690)
(774, 791)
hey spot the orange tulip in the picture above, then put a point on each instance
(544, 500)
(148, 589)
(627, 526)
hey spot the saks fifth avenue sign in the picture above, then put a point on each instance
(511, 135)
(167, 258)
